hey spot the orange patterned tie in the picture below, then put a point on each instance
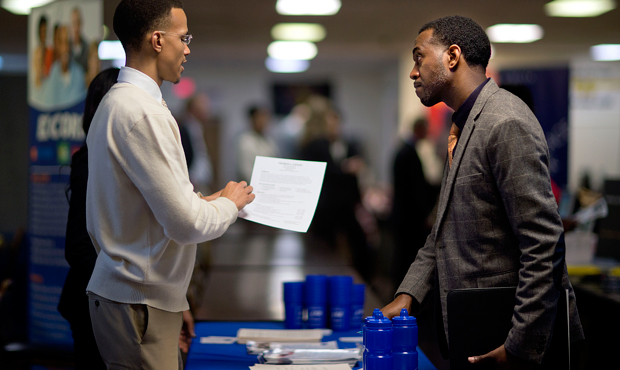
(454, 136)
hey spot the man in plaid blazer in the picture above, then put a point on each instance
(497, 221)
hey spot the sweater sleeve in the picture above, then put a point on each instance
(152, 156)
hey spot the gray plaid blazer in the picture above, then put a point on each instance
(498, 223)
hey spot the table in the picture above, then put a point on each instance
(234, 356)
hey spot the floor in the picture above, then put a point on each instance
(245, 268)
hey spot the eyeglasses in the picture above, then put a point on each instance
(186, 39)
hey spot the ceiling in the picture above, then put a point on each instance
(363, 30)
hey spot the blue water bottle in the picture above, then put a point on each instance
(357, 306)
(316, 301)
(405, 341)
(378, 335)
(293, 304)
(340, 294)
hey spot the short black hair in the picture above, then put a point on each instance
(97, 89)
(135, 18)
(464, 32)
(255, 109)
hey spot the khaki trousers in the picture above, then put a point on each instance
(136, 336)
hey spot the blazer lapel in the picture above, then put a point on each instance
(490, 88)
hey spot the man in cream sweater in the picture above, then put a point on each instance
(142, 213)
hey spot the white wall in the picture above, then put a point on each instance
(594, 122)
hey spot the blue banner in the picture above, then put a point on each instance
(548, 90)
(62, 50)
(54, 137)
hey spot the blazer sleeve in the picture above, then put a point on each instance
(519, 160)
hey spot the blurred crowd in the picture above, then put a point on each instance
(372, 224)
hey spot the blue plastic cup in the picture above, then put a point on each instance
(293, 304)
(340, 294)
(357, 306)
(315, 296)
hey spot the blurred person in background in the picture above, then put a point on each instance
(197, 155)
(336, 215)
(287, 133)
(192, 127)
(432, 163)
(414, 197)
(79, 250)
(254, 142)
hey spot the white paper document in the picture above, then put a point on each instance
(287, 192)
(274, 335)
(301, 367)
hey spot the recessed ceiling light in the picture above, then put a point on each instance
(308, 7)
(23, 6)
(111, 50)
(286, 66)
(300, 50)
(298, 32)
(579, 8)
(605, 52)
(515, 33)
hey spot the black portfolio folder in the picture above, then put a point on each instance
(479, 321)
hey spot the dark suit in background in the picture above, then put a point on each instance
(413, 201)
(340, 195)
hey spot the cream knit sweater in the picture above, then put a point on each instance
(142, 213)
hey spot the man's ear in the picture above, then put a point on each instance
(454, 56)
(156, 41)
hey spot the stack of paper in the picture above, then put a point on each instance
(280, 356)
(300, 367)
(270, 335)
(256, 348)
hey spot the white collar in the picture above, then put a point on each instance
(140, 79)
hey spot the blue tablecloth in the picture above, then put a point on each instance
(234, 356)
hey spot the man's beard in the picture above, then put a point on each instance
(434, 88)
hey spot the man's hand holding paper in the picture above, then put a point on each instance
(287, 192)
(239, 192)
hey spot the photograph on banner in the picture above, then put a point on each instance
(63, 53)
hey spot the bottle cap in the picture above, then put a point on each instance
(377, 320)
(404, 319)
